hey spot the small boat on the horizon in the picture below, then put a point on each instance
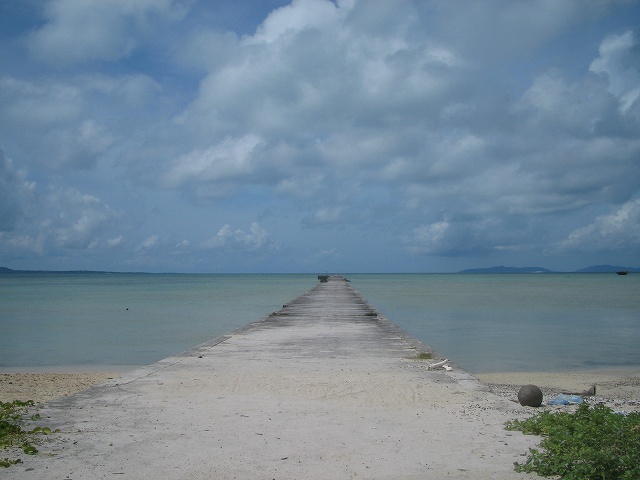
(622, 272)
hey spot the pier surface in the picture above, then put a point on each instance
(325, 388)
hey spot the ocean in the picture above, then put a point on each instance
(483, 323)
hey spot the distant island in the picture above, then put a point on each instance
(498, 269)
(591, 269)
(9, 271)
(502, 269)
(607, 269)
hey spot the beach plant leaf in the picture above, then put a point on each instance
(29, 449)
(594, 442)
(13, 433)
(6, 463)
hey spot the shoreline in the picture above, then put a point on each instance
(618, 389)
(46, 383)
(71, 369)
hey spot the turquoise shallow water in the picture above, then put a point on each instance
(484, 323)
(529, 322)
(128, 319)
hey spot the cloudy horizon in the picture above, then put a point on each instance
(318, 135)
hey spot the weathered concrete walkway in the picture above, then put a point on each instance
(323, 389)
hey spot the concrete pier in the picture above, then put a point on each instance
(326, 388)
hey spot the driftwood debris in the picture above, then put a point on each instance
(590, 392)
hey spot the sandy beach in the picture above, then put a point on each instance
(44, 387)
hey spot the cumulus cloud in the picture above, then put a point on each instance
(131, 90)
(618, 231)
(116, 241)
(312, 66)
(327, 215)
(50, 102)
(78, 219)
(404, 108)
(238, 240)
(500, 130)
(300, 15)
(386, 106)
(232, 159)
(39, 103)
(23, 243)
(428, 238)
(106, 30)
(149, 242)
(76, 122)
(618, 61)
(82, 146)
(16, 191)
(302, 186)
(63, 219)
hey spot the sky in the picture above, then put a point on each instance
(319, 136)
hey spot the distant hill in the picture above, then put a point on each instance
(502, 269)
(607, 269)
(9, 271)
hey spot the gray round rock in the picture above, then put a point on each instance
(530, 396)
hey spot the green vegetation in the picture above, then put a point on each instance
(12, 433)
(593, 443)
(424, 356)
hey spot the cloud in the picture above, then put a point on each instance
(227, 161)
(77, 220)
(618, 62)
(403, 107)
(327, 215)
(23, 243)
(428, 238)
(107, 30)
(81, 147)
(227, 238)
(16, 194)
(130, 90)
(493, 32)
(431, 132)
(40, 103)
(116, 241)
(299, 16)
(62, 219)
(302, 186)
(149, 242)
(615, 232)
(78, 121)
(322, 92)
(50, 101)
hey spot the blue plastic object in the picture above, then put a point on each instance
(564, 399)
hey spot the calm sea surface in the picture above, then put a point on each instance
(485, 323)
